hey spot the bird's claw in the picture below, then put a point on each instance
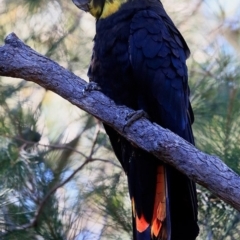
(134, 116)
(92, 86)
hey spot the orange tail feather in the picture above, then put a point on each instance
(159, 211)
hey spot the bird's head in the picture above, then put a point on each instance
(99, 8)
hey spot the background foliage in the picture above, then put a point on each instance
(58, 176)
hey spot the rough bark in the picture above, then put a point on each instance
(20, 61)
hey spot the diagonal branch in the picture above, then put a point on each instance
(20, 61)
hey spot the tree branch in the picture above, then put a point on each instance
(20, 61)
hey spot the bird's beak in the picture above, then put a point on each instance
(82, 4)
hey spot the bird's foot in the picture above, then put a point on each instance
(134, 116)
(91, 86)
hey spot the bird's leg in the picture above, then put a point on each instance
(91, 86)
(134, 116)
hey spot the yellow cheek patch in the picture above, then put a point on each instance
(111, 7)
(95, 11)
(104, 11)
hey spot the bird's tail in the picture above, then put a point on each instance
(147, 182)
(156, 226)
(163, 200)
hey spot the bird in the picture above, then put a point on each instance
(139, 61)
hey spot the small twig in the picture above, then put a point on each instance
(54, 146)
(107, 161)
(197, 6)
(34, 221)
(94, 141)
(64, 147)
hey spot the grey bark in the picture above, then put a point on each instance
(20, 61)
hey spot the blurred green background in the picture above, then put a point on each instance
(44, 139)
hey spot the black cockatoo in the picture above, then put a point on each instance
(139, 60)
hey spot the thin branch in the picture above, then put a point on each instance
(65, 147)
